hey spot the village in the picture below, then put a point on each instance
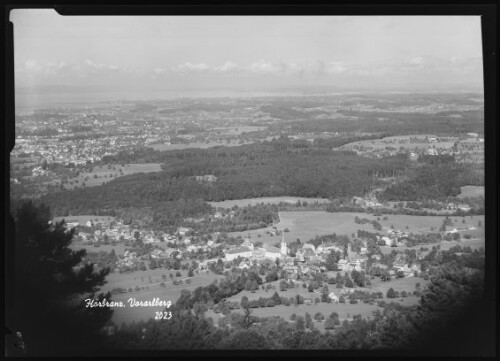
(291, 260)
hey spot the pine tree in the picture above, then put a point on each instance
(309, 321)
(50, 274)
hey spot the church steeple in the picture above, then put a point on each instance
(284, 250)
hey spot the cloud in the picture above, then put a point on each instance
(35, 68)
(191, 68)
(263, 67)
(414, 67)
(228, 67)
(336, 67)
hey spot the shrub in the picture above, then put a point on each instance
(319, 316)
(330, 324)
(391, 293)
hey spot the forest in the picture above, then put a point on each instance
(436, 178)
(260, 170)
(281, 167)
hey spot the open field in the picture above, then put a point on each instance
(442, 212)
(345, 311)
(423, 224)
(172, 293)
(119, 248)
(471, 191)
(470, 149)
(140, 279)
(236, 130)
(201, 145)
(403, 141)
(306, 225)
(474, 243)
(106, 173)
(266, 200)
(401, 284)
(85, 218)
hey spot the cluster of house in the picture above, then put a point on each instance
(463, 207)
(249, 251)
(120, 232)
(117, 231)
(394, 238)
(39, 171)
(372, 202)
(308, 260)
(206, 178)
(129, 260)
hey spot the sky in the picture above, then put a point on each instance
(245, 52)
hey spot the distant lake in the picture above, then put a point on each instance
(32, 99)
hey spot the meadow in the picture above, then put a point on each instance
(306, 225)
(200, 145)
(148, 283)
(145, 286)
(471, 191)
(401, 284)
(82, 219)
(102, 174)
(423, 224)
(237, 130)
(119, 248)
(403, 141)
(345, 311)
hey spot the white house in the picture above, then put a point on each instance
(156, 253)
(343, 264)
(191, 248)
(182, 231)
(333, 297)
(309, 246)
(243, 265)
(71, 225)
(464, 207)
